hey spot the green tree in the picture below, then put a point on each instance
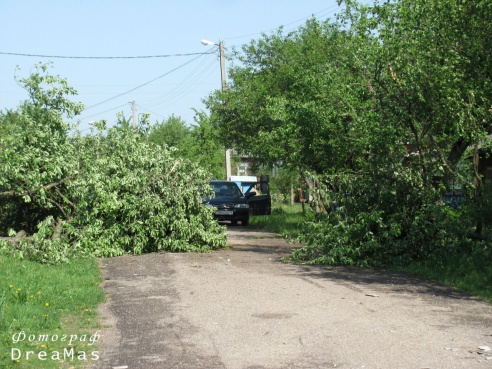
(206, 147)
(65, 194)
(303, 101)
(199, 142)
(434, 79)
(341, 102)
(172, 132)
(37, 157)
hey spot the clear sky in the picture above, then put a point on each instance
(124, 28)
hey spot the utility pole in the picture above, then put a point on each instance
(134, 110)
(222, 65)
(223, 80)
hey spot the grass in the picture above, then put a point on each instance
(471, 274)
(286, 220)
(43, 308)
(465, 273)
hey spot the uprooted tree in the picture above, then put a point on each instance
(63, 194)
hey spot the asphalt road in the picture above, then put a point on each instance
(242, 308)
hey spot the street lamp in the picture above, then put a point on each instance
(221, 58)
(223, 80)
(207, 42)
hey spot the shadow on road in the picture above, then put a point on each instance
(248, 240)
(391, 281)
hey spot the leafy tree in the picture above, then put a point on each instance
(172, 132)
(435, 79)
(199, 142)
(377, 108)
(206, 148)
(65, 194)
(37, 157)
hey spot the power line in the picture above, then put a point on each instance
(184, 86)
(157, 56)
(82, 116)
(150, 111)
(101, 57)
(146, 83)
(329, 10)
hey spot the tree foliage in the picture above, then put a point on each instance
(378, 108)
(64, 194)
(207, 149)
(199, 142)
(172, 132)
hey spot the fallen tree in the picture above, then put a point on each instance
(64, 194)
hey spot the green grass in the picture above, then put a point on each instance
(48, 303)
(468, 273)
(465, 273)
(286, 220)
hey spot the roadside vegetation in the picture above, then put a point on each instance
(468, 272)
(381, 116)
(384, 114)
(286, 220)
(471, 273)
(40, 304)
(64, 195)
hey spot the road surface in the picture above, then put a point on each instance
(242, 308)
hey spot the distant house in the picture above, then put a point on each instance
(241, 165)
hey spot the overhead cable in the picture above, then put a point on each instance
(329, 10)
(146, 83)
(150, 111)
(102, 57)
(82, 116)
(184, 86)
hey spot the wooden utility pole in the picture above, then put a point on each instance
(134, 110)
(223, 81)
(222, 65)
(292, 196)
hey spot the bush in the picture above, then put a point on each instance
(381, 222)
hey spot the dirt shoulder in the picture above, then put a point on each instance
(243, 308)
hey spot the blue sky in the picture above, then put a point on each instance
(107, 28)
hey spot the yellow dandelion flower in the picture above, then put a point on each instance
(47, 304)
(11, 286)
